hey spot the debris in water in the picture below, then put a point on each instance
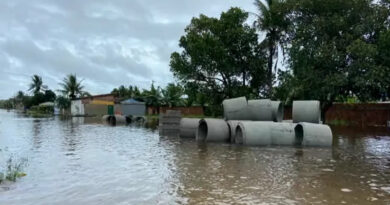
(346, 190)
(328, 170)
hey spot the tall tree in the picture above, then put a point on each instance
(222, 56)
(71, 87)
(271, 20)
(36, 86)
(335, 51)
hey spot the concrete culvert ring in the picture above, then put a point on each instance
(213, 130)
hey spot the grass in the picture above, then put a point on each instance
(38, 114)
(13, 171)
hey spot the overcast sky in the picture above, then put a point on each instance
(106, 43)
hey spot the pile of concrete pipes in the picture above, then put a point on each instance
(115, 120)
(260, 122)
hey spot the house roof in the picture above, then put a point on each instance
(132, 101)
(94, 96)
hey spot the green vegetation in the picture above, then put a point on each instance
(13, 170)
(72, 88)
(333, 50)
(171, 95)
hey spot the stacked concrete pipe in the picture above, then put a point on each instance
(213, 130)
(306, 111)
(310, 134)
(260, 110)
(188, 127)
(235, 109)
(277, 111)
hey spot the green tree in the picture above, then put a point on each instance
(222, 56)
(36, 86)
(152, 97)
(63, 102)
(334, 52)
(172, 95)
(71, 87)
(271, 20)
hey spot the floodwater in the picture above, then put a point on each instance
(80, 161)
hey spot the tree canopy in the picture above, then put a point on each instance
(221, 56)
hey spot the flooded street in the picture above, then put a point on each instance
(80, 161)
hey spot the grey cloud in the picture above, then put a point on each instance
(107, 43)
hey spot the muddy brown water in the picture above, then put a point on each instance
(80, 161)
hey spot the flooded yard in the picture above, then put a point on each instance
(81, 161)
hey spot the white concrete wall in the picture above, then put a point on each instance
(77, 108)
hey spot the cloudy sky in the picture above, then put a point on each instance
(106, 43)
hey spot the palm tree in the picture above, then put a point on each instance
(172, 95)
(36, 86)
(271, 21)
(71, 87)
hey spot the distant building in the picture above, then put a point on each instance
(97, 105)
(132, 107)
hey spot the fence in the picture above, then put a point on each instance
(194, 110)
(361, 115)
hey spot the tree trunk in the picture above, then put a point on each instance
(269, 73)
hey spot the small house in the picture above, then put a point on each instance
(132, 107)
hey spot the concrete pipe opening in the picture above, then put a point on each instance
(212, 130)
(239, 138)
(232, 128)
(277, 111)
(306, 111)
(188, 127)
(254, 133)
(260, 110)
(310, 134)
(235, 109)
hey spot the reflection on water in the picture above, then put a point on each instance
(82, 161)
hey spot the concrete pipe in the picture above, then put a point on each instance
(283, 134)
(277, 111)
(119, 120)
(188, 127)
(260, 110)
(233, 127)
(235, 109)
(306, 111)
(254, 133)
(106, 119)
(310, 134)
(213, 130)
